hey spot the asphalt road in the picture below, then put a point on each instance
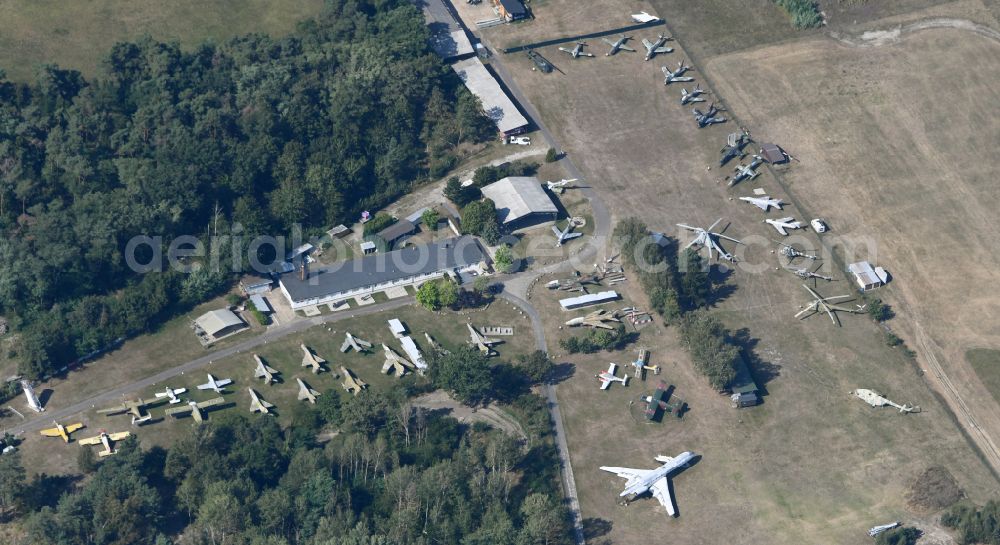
(272, 334)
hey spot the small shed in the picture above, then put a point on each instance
(868, 277)
(743, 388)
(396, 231)
(397, 328)
(253, 284)
(368, 247)
(510, 10)
(339, 231)
(773, 154)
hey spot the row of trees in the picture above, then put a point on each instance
(248, 137)
(595, 340)
(395, 474)
(975, 525)
(679, 287)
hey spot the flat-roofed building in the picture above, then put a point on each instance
(216, 324)
(496, 104)
(373, 273)
(868, 277)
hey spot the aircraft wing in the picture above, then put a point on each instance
(112, 410)
(178, 410)
(558, 233)
(572, 235)
(780, 228)
(626, 48)
(346, 346)
(607, 41)
(661, 491)
(663, 50)
(627, 472)
(73, 427)
(161, 394)
(95, 440)
(666, 71)
(209, 385)
(118, 436)
(211, 402)
(224, 382)
(52, 432)
(647, 43)
(605, 384)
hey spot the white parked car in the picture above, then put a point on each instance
(818, 225)
(520, 140)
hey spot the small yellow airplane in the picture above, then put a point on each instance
(62, 431)
(105, 439)
(135, 407)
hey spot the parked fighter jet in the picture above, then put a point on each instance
(214, 384)
(436, 346)
(565, 234)
(655, 481)
(352, 383)
(764, 202)
(655, 48)
(596, 319)
(306, 393)
(710, 117)
(746, 172)
(676, 76)
(561, 184)
(821, 303)
(171, 393)
(706, 238)
(264, 371)
(61, 431)
(106, 439)
(734, 147)
(617, 45)
(693, 96)
(135, 407)
(484, 343)
(195, 408)
(350, 341)
(782, 225)
(607, 377)
(577, 51)
(394, 363)
(258, 405)
(311, 360)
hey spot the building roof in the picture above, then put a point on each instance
(514, 8)
(742, 382)
(396, 230)
(339, 231)
(588, 299)
(496, 103)
(772, 153)
(448, 38)
(383, 268)
(397, 327)
(518, 196)
(260, 303)
(215, 321)
(868, 275)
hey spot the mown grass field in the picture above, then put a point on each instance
(79, 34)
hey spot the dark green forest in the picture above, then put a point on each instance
(247, 137)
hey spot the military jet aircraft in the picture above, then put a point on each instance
(394, 363)
(707, 239)
(306, 393)
(264, 371)
(350, 341)
(172, 394)
(565, 234)
(782, 225)
(746, 172)
(655, 48)
(821, 303)
(196, 409)
(734, 147)
(61, 431)
(484, 343)
(352, 383)
(764, 202)
(693, 96)
(597, 319)
(106, 439)
(135, 407)
(216, 385)
(561, 184)
(676, 76)
(312, 360)
(655, 481)
(711, 117)
(617, 45)
(607, 377)
(577, 51)
(258, 405)
(436, 346)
